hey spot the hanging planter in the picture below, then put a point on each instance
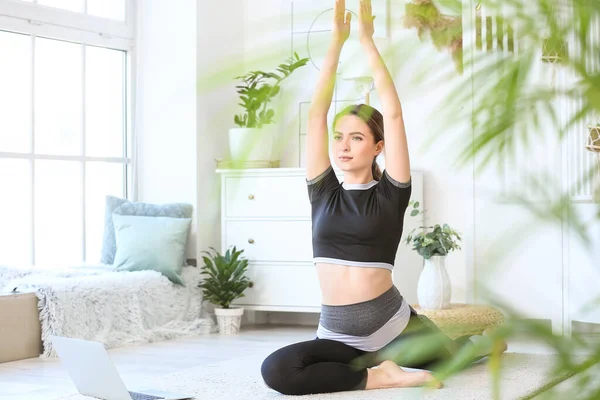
(554, 50)
(445, 31)
(593, 141)
(593, 145)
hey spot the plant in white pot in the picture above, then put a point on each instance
(254, 137)
(224, 283)
(434, 290)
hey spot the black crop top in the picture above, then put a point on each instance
(357, 224)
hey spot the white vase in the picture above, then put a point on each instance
(229, 320)
(434, 290)
(251, 144)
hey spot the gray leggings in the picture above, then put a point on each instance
(325, 366)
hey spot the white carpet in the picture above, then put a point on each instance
(241, 379)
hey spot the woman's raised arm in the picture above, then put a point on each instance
(317, 143)
(397, 161)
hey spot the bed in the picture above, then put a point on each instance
(95, 302)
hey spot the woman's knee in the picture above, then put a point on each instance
(278, 371)
(270, 371)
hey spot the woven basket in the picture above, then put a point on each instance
(463, 319)
(229, 320)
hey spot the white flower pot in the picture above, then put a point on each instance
(434, 290)
(229, 320)
(251, 144)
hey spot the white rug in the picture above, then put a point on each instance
(241, 379)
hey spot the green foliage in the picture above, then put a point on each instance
(446, 32)
(415, 208)
(225, 280)
(259, 88)
(439, 242)
(510, 111)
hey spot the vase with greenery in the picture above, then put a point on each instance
(224, 282)
(253, 139)
(434, 290)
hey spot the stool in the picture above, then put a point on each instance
(463, 319)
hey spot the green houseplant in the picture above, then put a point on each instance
(224, 282)
(439, 242)
(252, 140)
(434, 290)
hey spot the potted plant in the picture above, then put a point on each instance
(224, 283)
(252, 141)
(434, 290)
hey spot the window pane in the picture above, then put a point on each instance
(104, 102)
(15, 92)
(113, 9)
(58, 97)
(58, 208)
(101, 179)
(15, 212)
(71, 5)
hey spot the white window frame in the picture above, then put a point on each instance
(48, 22)
(52, 22)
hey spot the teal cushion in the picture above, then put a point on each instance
(151, 243)
(125, 207)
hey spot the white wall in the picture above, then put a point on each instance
(220, 39)
(183, 124)
(584, 267)
(448, 189)
(166, 104)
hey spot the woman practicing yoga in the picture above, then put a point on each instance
(357, 227)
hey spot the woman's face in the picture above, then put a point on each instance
(354, 146)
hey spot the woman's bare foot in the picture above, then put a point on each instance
(389, 375)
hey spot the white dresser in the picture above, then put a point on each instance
(266, 212)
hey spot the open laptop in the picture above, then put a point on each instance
(94, 374)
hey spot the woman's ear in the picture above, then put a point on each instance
(379, 147)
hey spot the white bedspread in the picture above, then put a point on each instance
(93, 302)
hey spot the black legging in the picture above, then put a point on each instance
(325, 366)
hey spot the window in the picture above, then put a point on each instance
(65, 136)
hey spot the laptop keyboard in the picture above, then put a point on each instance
(141, 396)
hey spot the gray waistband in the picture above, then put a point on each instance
(362, 319)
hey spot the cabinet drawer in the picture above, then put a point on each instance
(271, 240)
(281, 286)
(266, 196)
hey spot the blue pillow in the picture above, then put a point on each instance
(125, 207)
(151, 243)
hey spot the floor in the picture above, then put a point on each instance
(36, 379)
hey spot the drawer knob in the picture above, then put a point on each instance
(250, 241)
(251, 196)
